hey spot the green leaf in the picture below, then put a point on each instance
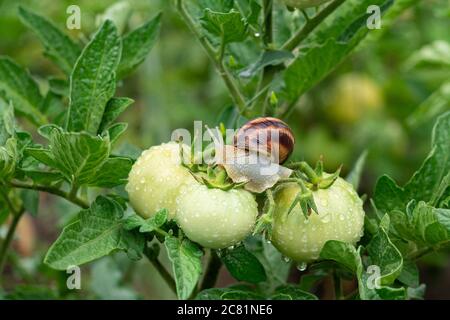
(97, 232)
(268, 58)
(8, 158)
(30, 200)
(106, 278)
(291, 292)
(116, 131)
(7, 122)
(78, 156)
(436, 54)
(329, 46)
(341, 252)
(410, 274)
(416, 293)
(113, 109)
(58, 46)
(276, 268)
(186, 258)
(136, 46)
(92, 82)
(119, 13)
(227, 294)
(147, 225)
(243, 265)
(228, 27)
(17, 86)
(388, 196)
(114, 172)
(437, 103)
(384, 254)
(59, 87)
(426, 181)
(354, 176)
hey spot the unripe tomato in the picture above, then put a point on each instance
(301, 4)
(353, 97)
(341, 217)
(156, 178)
(215, 218)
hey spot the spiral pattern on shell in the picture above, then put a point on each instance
(266, 135)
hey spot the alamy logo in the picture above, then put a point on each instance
(74, 280)
(374, 20)
(74, 19)
(374, 280)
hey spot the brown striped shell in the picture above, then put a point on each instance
(266, 135)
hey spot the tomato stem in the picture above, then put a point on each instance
(212, 271)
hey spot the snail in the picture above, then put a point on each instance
(259, 147)
(267, 135)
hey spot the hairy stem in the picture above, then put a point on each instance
(310, 25)
(167, 277)
(236, 94)
(212, 271)
(58, 192)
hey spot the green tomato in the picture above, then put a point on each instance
(155, 180)
(215, 218)
(341, 217)
(302, 4)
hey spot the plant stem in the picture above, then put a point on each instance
(310, 25)
(9, 237)
(58, 192)
(237, 96)
(338, 295)
(167, 277)
(268, 73)
(212, 271)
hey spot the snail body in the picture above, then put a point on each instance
(266, 135)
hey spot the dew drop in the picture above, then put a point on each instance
(302, 266)
(257, 34)
(286, 259)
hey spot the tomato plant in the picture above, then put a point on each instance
(63, 149)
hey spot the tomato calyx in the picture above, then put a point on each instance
(309, 180)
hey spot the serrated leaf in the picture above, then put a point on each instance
(227, 294)
(78, 156)
(92, 82)
(228, 27)
(97, 232)
(17, 86)
(136, 46)
(291, 292)
(243, 265)
(341, 252)
(388, 196)
(113, 109)
(186, 264)
(147, 225)
(116, 130)
(114, 172)
(386, 256)
(58, 46)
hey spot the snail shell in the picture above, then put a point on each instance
(267, 135)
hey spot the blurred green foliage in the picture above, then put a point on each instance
(178, 84)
